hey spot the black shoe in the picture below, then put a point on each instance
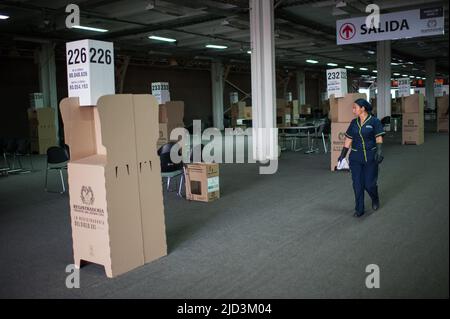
(356, 214)
(376, 205)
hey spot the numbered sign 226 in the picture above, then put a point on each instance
(90, 70)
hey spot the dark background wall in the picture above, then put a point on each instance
(191, 86)
(20, 76)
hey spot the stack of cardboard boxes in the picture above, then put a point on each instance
(284, 113)
(42, 129)
(238, 112)
(442, 113)
(341, 114)
(116, 204)
(171, 115)
(413, 119)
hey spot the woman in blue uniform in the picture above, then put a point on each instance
(365, 138)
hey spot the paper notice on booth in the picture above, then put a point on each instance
(213, 184)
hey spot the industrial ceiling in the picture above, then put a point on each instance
(303, 30)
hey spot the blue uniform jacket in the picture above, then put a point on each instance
(363, 138)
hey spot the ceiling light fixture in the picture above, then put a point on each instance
(312, 61)
(3, 17)
(214, 46)
(349, 67)
(332, 64)
(154, 37)
(89, 28)
(364, 69)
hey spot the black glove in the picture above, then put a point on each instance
(379, 154)
(343, 154)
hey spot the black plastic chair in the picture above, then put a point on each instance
(24, 150)
(322, 132)
(57, 158)
(3, 152)
(170, 169)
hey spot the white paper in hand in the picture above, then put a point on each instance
(343, 165)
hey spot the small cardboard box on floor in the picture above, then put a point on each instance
(337, 141)
(116, 204)
(202, 182)
(442, 113)
(341, 109)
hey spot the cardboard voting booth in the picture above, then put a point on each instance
(413, 119)
(116, 203)
(42, 129)
(442, 114)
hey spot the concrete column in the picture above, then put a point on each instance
(301, 85)
(217, 81)
(384, 79)
(265, 137)
(430, 70)
(47, 80)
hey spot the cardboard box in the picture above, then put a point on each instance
(284, 117)
(413, 104)
(281, 103)
(42, 129)
(305, 110)
(248, 113)
(341, 109)
(202, 182)
(171, 112)
(442, 106)
(295, 108)
(442, 124)
(117, 211)
(413, 128)
(337, 141)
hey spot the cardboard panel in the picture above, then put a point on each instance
(442, 106)
(413, 103)
(341, 109)
(116, 113)
(79, 128)
(413, 128)
(149, 177)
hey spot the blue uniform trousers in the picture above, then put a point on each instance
(365, 177)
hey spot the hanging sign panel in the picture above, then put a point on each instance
(397, 25)
(404, 87)
(90, 70)
(337, 82)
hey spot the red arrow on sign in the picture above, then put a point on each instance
(347, 31)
